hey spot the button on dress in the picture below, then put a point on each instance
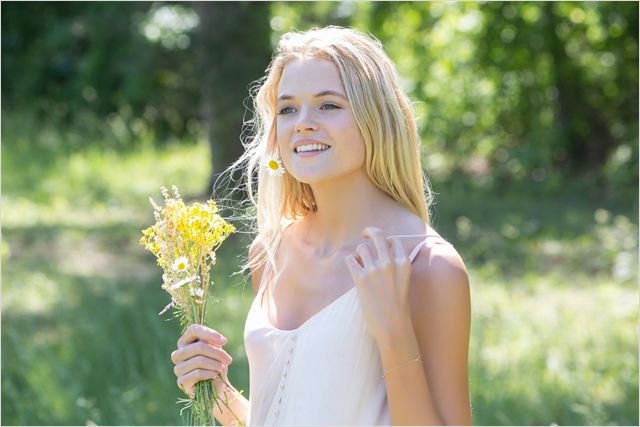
(327, 371)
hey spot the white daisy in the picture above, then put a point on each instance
(274, 165)
(181, 264)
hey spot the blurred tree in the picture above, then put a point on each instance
(152, 70)
(502, 90)
(517, 90)
(77, 64)
(230, 57)
(304, 15)
(571, 68)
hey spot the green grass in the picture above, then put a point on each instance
(553, 276)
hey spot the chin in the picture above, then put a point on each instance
(319, 176)
(311, 179)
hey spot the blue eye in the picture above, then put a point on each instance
(285, 110)
(330, 106)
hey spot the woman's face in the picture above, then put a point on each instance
(314, 114)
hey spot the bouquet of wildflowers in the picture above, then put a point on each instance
(184, 240)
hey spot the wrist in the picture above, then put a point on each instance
(400, 334)
(222, 384)
(398, 346)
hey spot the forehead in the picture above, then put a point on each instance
(309, 75)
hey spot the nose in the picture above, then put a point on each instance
(305, 122)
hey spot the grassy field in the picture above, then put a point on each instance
(553, 275)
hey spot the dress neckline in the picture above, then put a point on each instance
(265, 314)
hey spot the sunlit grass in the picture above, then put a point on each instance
(564, 355)
(101, 187)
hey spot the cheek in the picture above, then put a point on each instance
(279, 132)
(356, 142)
(281, 136)
(359, 153)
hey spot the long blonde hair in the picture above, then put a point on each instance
(381, 109)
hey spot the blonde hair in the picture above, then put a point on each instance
(381, 109)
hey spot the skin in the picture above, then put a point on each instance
(410, 308)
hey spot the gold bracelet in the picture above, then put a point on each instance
(417, 359)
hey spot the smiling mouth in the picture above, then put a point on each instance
(311, 148)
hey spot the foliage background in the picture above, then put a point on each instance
(529, 120)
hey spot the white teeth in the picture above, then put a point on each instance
(311, 147)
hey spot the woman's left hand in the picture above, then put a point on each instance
(382, 283)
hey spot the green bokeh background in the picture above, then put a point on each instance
(529, 122)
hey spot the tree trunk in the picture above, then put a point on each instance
(583, 129)
(233, 49)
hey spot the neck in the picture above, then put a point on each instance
(345, 207)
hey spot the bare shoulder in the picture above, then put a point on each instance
(439, 268)
(439, 257)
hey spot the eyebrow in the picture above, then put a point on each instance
(317, 95)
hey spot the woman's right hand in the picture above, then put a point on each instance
(199, 357)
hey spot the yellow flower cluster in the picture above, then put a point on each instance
(184, 239)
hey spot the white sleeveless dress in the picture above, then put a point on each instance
(325, 372)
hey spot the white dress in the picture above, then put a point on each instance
(325, 372)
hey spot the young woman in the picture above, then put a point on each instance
(362, 310)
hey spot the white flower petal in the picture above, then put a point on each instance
(182, 283)
(180, 264)
(274, 165)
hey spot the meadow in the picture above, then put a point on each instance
(553, 272)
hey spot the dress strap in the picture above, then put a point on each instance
(414, 252)
(416, 249)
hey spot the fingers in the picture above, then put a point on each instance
(197, 332)
(198, 362)
(354, 267)
(363, 252)
(379, 242)
(201, 349)
(397, 250)
(187, 381)
(184, 387)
